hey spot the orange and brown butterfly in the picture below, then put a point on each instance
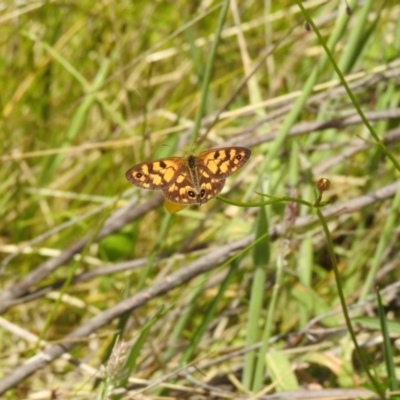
(193, 179)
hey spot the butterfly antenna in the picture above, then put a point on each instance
(168, 145)
(183, 151)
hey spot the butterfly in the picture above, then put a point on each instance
(193, 179)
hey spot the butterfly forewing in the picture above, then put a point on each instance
(223, 162)
(157, 174)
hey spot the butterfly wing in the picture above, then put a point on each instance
(157, 174)
(182, 190)
(210, 189)
(223, 162)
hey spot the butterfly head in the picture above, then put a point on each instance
(191, 160)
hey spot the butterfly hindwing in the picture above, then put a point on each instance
(212, 188)
(182, 191)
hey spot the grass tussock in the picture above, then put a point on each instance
(270, 290)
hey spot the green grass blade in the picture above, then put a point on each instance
(387, 347)
(261, 256)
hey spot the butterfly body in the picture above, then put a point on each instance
(196, 172)
(193, 179)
